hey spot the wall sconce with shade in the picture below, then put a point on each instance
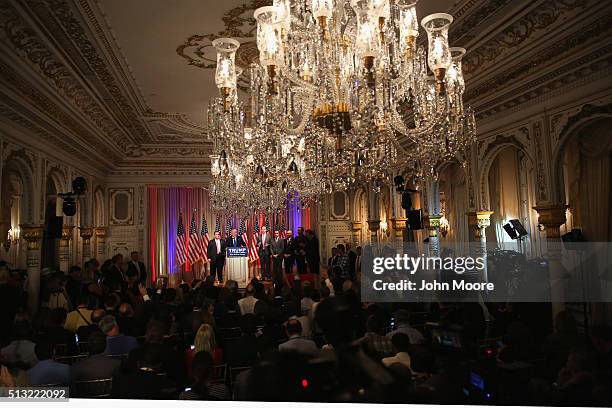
(444, 226)
(12, 237)
(384, 227)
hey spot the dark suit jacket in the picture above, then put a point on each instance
(132, 271)
(239, 242)
(212, 250)
(277, 247)
(96, 367)
(264, 247)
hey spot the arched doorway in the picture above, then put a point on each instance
(584, 173)
(587, 178)
(511, 194)
(453, 190)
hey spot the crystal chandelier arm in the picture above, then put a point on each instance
(306, 112)
(398, 123)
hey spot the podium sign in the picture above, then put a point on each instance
(233, 252)
(237, 265)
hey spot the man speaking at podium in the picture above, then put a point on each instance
(234, 240)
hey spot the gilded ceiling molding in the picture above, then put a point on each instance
(15, 31)
(595, 63)
(72, 27)
(169, 151)
(474, 16)
(601, 28)
(538, 21)
(239, 23)
(16, 113)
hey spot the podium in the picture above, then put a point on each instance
(237, 265)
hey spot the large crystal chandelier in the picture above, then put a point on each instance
(339, 87)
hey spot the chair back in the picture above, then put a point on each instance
(70, 359)
(234, 371)
(218, 374)
(121, 357)
(92, 388)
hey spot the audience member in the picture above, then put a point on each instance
(201, 389)
(401, 343)
(97, 366)
(116, 343)
(47, 371)
(296, 342)
(402, 322)
(81, 316)
(247, 303)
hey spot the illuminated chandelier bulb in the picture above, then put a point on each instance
(438, 56)
(322, 10)
(408, 25)
(269, 43)
(225, 74)
(283, 14)
(368, 40)
(454, 75)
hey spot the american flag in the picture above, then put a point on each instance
(267, 224)
(242, 231)
(253, 255)
(217, 226)
(228, 227)
(283, 231)
(204, 240)
(194, 241)
(180, 242)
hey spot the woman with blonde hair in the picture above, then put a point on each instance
(205, 341)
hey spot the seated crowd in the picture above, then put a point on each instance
(105, 335)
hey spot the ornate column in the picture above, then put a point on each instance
(355, 231)
(65, 256)
(86, 234)
(478, 221)
(374, 226)
(399, 225)
(432, 223)
(100, 234)
(373, 212)
(552, 217)
(32, 234)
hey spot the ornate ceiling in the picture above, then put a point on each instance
(122, 86)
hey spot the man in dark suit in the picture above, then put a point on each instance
(114, 274)
(277, 248)
(300, 251)
(136, 269)
(234, 240)
(289, 254)
(216, 254)
(263, 249)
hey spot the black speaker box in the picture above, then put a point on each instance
(415, 219)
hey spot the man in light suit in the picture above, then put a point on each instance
(263, 249)
(277, 248)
